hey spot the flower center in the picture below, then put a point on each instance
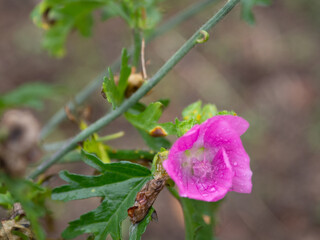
(197, 162)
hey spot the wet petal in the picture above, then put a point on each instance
(209, 160)
(211, 180)
(219, 134)
(237, 123)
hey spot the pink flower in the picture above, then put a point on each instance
(209, 160)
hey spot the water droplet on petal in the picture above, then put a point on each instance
(235, 164)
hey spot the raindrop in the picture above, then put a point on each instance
(235, 164)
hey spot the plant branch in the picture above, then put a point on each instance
(116, 154)
(96, 83)
(136, 48)
(186, 47)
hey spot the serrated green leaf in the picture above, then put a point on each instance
(118, 184)
(136, 230)
(111, 90)
(67, 15)
(92, 160)
(199, 218)
(115, 93)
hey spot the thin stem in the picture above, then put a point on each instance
(136, 48)
(110, 137)
(116, 154)
(96, 83)
(187, 46)
(143, 62)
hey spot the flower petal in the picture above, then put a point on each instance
(219, 134)
(187, 140)
(238, 124)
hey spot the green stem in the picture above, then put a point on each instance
(110, 137)
(136, 48)
(131, 154)
(96, 83)
(188, 220)
(199, 218)
(102, 122)
(116, 154)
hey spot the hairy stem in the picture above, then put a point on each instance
(96, 83)
(186, 47)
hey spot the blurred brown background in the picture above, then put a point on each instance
(268, 73)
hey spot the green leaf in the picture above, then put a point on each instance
(165, 102)
(208, 111)
(20, 234)
(148, 119)
(131, 154)
(115, 94)
(194, 114)
(118, 184)
(137, 14)
(111, 90)
(27, 95)
(91, 145)
(84, 25)
(65, 15)
(225, 112)
(199, 217)
(136, 230)
(155, 143)
(60, 17)
(184, 126)
(114, 9)
(192, 111)
(247, 5)
(6, 200)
